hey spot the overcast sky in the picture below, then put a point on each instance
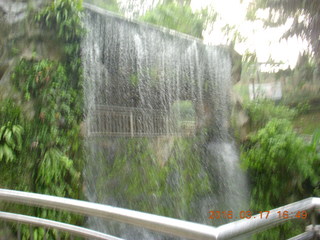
(265, 42)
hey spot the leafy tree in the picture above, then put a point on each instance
(233, 35)
(179, 17)
(304, 68)
(305, 15)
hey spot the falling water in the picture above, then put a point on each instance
(144, 74)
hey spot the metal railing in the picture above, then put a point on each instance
(107, 120)
(244, 227)
(40, 222)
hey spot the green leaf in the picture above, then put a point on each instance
(17, 130)
(2, 129)
(8, 138)
(1, 153)
(8, 153)
(58, 17)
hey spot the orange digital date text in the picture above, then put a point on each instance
(261, 215)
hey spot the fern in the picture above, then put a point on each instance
(10, 141)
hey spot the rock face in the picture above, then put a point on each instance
(13, 11)
(239, 117)
(13, 18)
(21, 37)
(236, 61)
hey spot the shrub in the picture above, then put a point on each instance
(262, 111)
(281, 169)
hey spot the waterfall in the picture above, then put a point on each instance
(157, 115)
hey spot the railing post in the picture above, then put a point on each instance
(31, 232)
(19, 232)
(313, 224)
(167, 125)
(315, 227)
(131, 123)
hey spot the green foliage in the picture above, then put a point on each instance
(303, 107)
(156, 185)
(178, 17)
(64, 19)
(52, 147)
(281, 168)
(14, 167)
(60, 167)
(187, 180)
(57, 115)
(184, 109)
(52, 144)
(41, 81)
(315, 143)
(262, 111)
(307, 123)
(10, 141)
(9, 112)
(305, 68)
(134, 80)
(132, 169)
(110, 5)
(49, 159)
(233, 35)
(11, 131)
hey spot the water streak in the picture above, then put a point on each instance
(138, 66)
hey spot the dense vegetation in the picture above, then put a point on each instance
(49, 159)
(282, 166)
(43, 149)
(170, 182)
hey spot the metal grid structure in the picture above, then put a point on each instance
(136, 122)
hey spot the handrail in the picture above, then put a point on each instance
(303, 236)
(159, 223)
(41, 222)
(257, 224)
(153, 222)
